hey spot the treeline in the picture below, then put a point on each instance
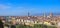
(35, 26)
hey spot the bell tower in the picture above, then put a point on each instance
(51, 14)
(44, 15)
(28, 14)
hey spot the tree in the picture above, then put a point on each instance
(1, 24)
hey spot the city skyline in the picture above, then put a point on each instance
(34, 7)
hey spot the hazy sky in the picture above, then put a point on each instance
(22, 7)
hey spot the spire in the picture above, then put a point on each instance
(51, 14)
(44, 14)
(28, 14)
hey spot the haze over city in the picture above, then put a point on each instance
(34, 7)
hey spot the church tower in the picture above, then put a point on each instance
(28, 14)
(51, 15)
(44, 15)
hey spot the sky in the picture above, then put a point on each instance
(34, 7)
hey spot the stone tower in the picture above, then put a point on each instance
(51, 15)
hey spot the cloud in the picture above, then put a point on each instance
(4, 6)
